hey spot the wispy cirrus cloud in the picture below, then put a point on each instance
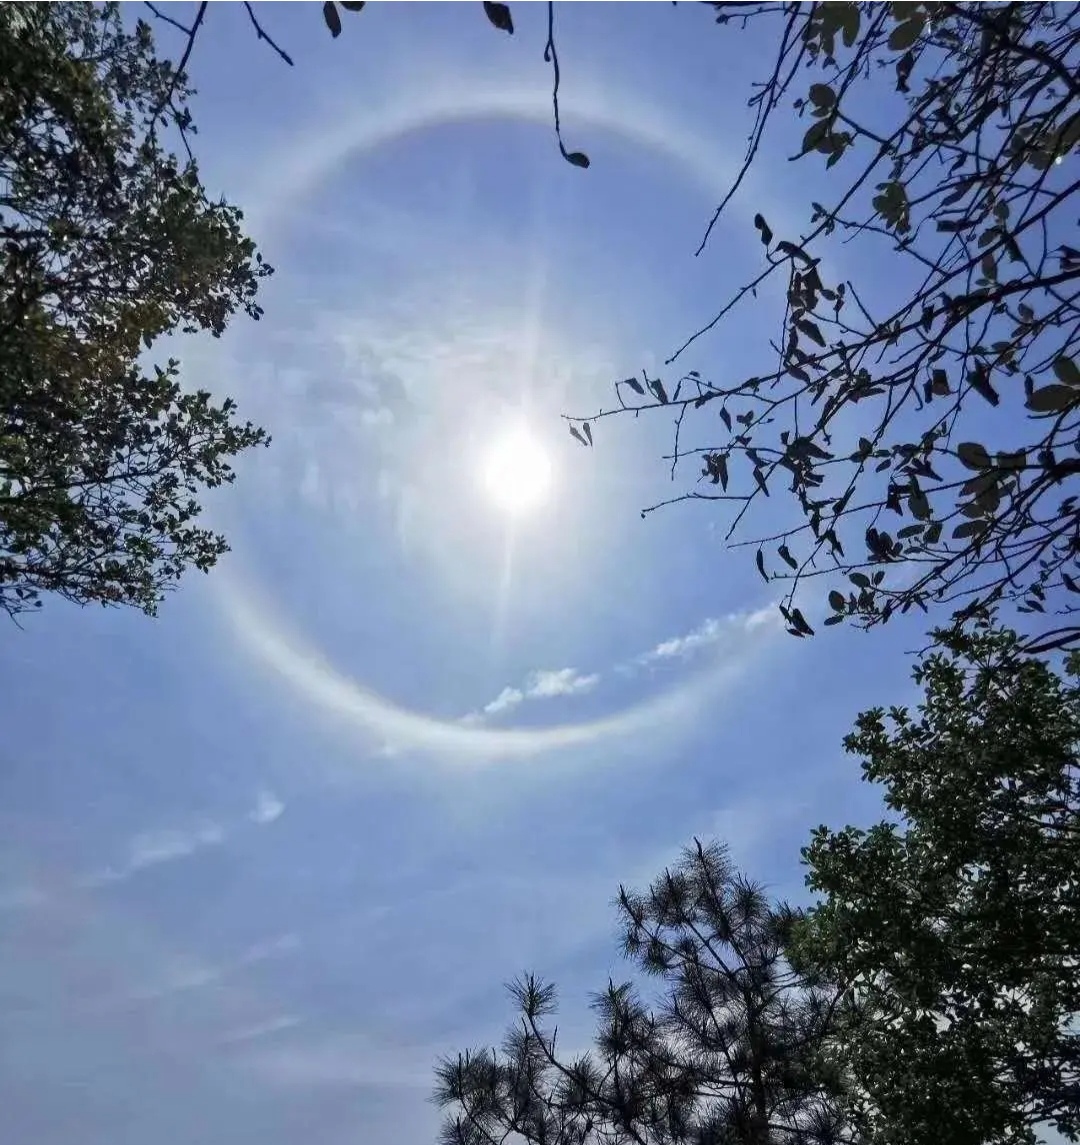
(268, 807)
(150, 848)
(540, 685)
(260, 1030)
(165, 845)
(549, 683)
(182, 975)
(709, 633)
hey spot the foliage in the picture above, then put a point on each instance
(958, 928)
(735, 1049)
(498, 15)
(926, 419)
(107, 242)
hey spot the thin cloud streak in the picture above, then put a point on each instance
(543, 685)
(152, 848)
(262, 1030)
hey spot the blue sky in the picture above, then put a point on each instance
(263, 859)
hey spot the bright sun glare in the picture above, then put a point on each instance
(517, 472)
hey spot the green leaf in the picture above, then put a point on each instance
(1067, 371)
(333, 20)
(821, 95)
(815, 135)
(577, 158)
(933, 533)
(919, 505)
(811, 331)
(905, 34)
(860, 580)
(1052, 399)
(836, 600)
(973, 455)
(968, 529)
(849, 22)
(979, 380)
(794, 252)
(800, 622)
(499, 15)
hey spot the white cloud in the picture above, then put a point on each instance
(261, 1029)
(507, 698)
(553, 682)
(710, 632)
(151, 848)
(268, 807)
(187, 974)
(562, 682)
(682, 646)
(540, 685)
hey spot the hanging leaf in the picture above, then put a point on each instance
(588, 430)
(333, 20)
(821, 95)
(1067, 371)
(499, 15)
(352, 5)
(919, 505)
(793, 251)
(763, 229)
(577, 433)
(761, 564)
(979, 379)
(634, 384)
(800, 623)
(836, 600)
(905, 34)
(811, 331)
(578, 158)
(848, 15)
(1052, 399)
(973, 455)
(787, 558)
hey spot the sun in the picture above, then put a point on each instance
(516, 472)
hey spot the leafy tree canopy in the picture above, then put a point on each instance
(107, 242)
(957, 927)
(924, 416)
(929, 994)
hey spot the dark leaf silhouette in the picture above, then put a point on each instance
(499, 15)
